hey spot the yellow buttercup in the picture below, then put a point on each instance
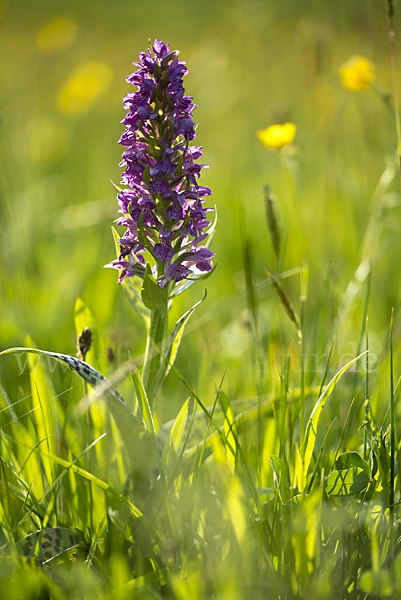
(277, 136)
(357, 73)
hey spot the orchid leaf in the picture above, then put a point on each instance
(142, 235)
(46, 544)
(132, 289)
(135, 437)
(177, 332)
(151, 293)
(116, 187)
(172, 348)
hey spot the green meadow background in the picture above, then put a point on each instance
(252, 64)
(241, 518)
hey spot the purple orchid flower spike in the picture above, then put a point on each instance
(162, 203)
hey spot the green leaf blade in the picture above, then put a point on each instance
(311, 428)
(347, 482)
(351, 459)
(151, 293)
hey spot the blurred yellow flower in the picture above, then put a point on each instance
(58, 34)
(357, 73)
(277, 136)
(83, 88)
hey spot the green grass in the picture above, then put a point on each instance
(265, 469)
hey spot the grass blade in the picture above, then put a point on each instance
(311, 428)
(285, 301)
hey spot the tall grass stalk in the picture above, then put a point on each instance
(390, 10)
(366, 402)
(392, 427)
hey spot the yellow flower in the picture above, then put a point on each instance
(57, 35)
(357, 73)
(277, 136)
(82, 89)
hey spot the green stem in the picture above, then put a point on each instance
(391, 33)
(155, 343)
(302, 382)
(367, 401)
(303, 299)
(392, 427)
